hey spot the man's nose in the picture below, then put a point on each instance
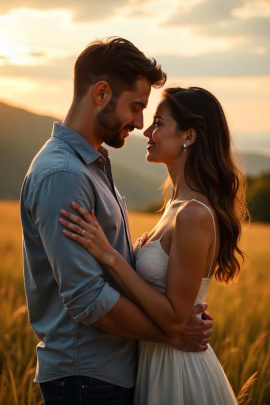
(138, 121)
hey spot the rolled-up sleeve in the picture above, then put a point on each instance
(86, 296)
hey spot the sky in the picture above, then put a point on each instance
(221, 45)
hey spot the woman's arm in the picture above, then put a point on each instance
(188, 254)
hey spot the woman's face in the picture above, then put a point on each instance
(165, 141)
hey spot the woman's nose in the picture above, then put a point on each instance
(148, 131)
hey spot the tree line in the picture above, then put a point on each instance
(259, 197)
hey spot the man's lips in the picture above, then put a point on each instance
(128, 130)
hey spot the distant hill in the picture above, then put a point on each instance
(23, 133)
(255, 164)
(21, 136)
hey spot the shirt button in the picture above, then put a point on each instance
(100, 160)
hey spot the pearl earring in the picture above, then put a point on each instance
(185, 147)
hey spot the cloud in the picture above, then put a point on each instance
(206, 12)
(212, 17)
(244, 24)
(60, 69)
(37, 54)
(228, 64)
(236, 63)
(82, 11)
(257, 27)
(243, 33)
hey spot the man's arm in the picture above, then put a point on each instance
(126, 319)
(86, 296)
(79, 277)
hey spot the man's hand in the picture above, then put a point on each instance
(195, 336)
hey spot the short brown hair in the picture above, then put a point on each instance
(117, 61)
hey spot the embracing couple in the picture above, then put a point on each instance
(109, 334)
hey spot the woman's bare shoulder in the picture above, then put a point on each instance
(193, 220)
(194, 210)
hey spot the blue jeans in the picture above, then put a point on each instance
(81, 390)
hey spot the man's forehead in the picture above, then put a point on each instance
(135, 99)
(142, 91)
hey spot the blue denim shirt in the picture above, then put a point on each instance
(67, 290)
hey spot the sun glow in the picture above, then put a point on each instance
(14, 54)
(10, 52)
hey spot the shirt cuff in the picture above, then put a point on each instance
(103, 304)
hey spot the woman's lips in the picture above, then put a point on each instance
(150, 146)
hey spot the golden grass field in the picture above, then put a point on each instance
(240, 337)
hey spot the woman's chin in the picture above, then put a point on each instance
(149, 157)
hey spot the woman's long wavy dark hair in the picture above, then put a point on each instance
(211, 168)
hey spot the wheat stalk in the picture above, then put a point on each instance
(243, 393)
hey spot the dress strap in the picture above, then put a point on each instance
(165, 229)
(215, 236)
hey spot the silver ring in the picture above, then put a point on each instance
(83, 232)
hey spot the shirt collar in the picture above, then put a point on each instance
(87, 152)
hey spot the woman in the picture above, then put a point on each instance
(197, 237)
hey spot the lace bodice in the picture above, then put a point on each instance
(152, 262)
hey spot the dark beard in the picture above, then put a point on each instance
(111, 126)
(115, 140)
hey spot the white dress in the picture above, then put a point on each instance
(167, 376)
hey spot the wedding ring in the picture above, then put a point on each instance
(83, 231)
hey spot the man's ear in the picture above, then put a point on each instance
(102, 93)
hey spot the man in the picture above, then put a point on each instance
(87, 328)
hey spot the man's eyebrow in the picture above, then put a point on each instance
(140, 103)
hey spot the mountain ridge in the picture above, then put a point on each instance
(23, 133)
